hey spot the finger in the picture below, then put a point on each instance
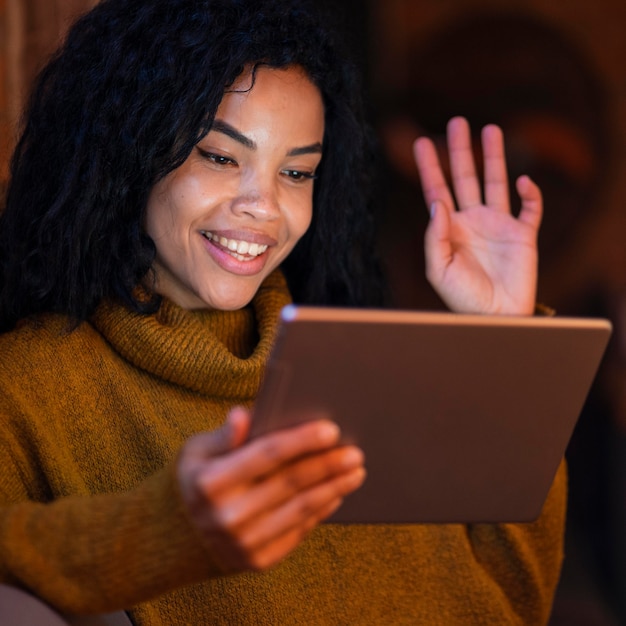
(231, 435)
(302, 511)
(532, 202)
(238, 421)
(266, 454)
(437, 246)
(496, 179)
(291, 481)
(434, 185)
(272, 552)
(464, 179)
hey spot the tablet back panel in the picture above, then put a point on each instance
(462, 418)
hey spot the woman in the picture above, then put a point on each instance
(188, 167)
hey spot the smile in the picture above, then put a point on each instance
(240, 250)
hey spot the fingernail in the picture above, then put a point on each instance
(328, 432)
(356, 478)
(353, 457)
(433, 208)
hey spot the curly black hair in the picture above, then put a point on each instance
(122, 103)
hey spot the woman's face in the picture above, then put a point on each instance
(232, 212)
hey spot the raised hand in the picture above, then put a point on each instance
(254, 502)
(479, 257)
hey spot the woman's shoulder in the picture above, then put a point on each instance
(43, 341)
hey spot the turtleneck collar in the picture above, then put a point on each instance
(219, 353)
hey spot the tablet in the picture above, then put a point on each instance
(462, 418)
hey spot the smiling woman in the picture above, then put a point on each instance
(187, 168)
(231, 213)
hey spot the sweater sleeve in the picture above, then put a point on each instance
(93, 554)
(518, 565)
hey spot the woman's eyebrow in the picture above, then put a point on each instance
(312, 149)
(225, 128)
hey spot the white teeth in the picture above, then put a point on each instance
(241, 250)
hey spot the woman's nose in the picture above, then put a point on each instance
(259, 201)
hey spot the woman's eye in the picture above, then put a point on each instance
(218, 159)
(297, 175)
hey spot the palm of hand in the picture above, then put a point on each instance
(485, 263)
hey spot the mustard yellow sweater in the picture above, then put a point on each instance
(91, 520)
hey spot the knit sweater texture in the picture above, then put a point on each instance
(91, 519)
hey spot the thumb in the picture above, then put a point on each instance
(437, 246)
(237, 426)
(230, 436)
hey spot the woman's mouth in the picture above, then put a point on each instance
(239, 249)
